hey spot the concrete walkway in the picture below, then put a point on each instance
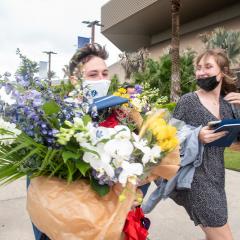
(169, 221)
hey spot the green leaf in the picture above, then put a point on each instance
(83, 167)
(71, 171)
(102, 190)
(54, 122)
(91, 151)
(86, 119)
(51, 107)
(66, 155)
(50, 154)
(4, 131)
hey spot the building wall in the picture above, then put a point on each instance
(117, 69)
(189, 40)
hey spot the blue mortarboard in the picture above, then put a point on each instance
(109, 101)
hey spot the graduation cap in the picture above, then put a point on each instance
(109, 101)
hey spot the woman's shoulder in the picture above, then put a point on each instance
(188, 97)
(185, 103)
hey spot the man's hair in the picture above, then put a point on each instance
(127, 85)
(83, 55)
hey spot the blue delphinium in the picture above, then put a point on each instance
(31, 114)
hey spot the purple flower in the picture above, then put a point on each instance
(43, 125)
(37, 102)
(44, 132)
(138, 88)
(54, 132)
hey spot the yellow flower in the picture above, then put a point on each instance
(151, 120)
(122, 197)
(164, 133)
(122, 90)
(168, 144)
(117, 94)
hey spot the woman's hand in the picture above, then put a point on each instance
(233, 97)
(207, 135)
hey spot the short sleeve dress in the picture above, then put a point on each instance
(206, 201)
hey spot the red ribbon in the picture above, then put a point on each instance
(134, 229)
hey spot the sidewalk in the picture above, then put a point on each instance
(169, 221)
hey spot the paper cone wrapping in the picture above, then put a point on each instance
(166, 169)
(75, 212)
(136, 117)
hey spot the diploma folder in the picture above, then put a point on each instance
(232, 126)
(109, 101)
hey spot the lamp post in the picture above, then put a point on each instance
(92, 26)
(49, 53)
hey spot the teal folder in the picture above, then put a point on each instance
(232, 126)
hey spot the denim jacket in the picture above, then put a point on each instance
(191, 157)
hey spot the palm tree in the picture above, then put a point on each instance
(228, 40)
(174, 51)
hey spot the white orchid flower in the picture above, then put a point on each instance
(150, 154)
(123, 132)
(100, 133)
(130, 171)
(100, 160)
(139, 143)
(119, 150)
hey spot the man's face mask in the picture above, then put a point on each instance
(208, 84)
(98, 88)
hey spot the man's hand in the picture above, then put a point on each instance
(138, 199)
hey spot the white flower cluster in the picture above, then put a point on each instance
(139, 102)
(8, 132)
(108, 149)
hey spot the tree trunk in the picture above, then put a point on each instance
(174, 51)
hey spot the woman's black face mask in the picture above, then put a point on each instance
(208, 83)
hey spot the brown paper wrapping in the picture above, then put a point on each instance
(136, 117)
(166, 169)
(168, 166)
(75, 212)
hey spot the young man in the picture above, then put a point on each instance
(92, 60)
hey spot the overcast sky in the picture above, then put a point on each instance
(43, 25)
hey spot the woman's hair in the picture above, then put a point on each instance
(84, 54)
(228, 82)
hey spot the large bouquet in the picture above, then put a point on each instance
(95, 160)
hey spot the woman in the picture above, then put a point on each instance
(206, 202)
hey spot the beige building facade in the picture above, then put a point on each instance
(132, 24)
